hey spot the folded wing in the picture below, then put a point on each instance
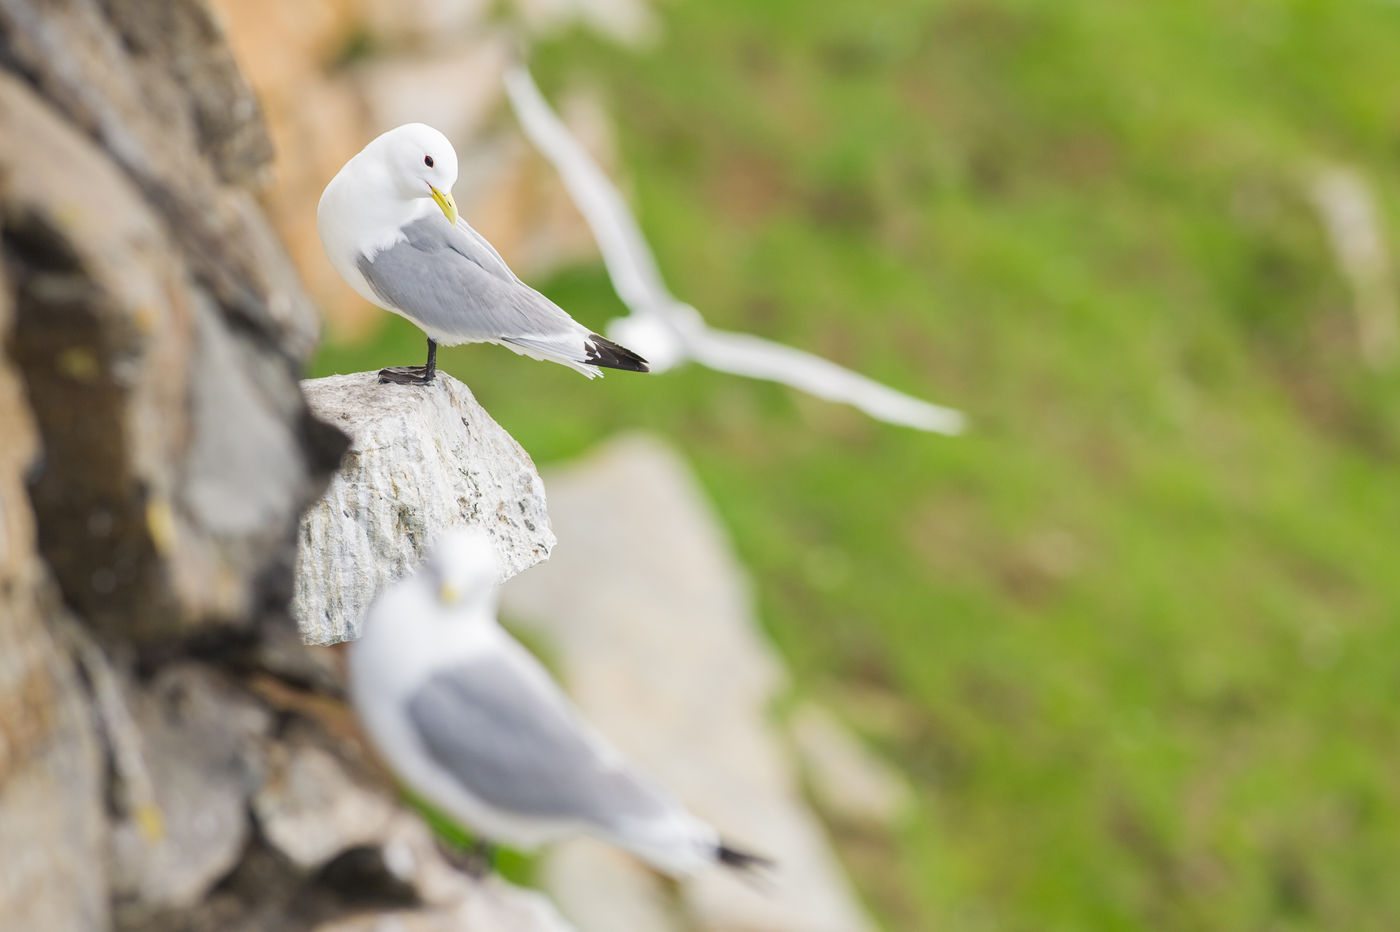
(450, 285)
(523, 752)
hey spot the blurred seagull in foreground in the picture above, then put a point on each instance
(670, 331)
(391, 229)
(471, 722)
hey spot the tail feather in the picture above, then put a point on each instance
(579, 350)
(741, 860)
(604, 352)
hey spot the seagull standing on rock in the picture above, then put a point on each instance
(390, 227)
(473, 723)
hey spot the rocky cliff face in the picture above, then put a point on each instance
(156, 329)
(153, 335)
(168, 758)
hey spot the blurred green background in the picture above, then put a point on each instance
(1133, 637)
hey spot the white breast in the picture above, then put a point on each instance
(359, 215)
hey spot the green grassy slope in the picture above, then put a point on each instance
(1135, 637)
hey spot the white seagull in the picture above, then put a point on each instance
(668, 330)
(473, 723)
(390, 227)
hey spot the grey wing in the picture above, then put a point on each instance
(519, 751)
(486, 254)
(447, 282)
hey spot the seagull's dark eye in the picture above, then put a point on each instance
(428, 161)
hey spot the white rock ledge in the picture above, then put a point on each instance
(423, 459)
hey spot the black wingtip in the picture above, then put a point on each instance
(741, 860)
(604, 352)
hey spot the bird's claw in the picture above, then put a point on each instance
(406, 375)
(477, 861)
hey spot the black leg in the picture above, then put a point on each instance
(481, 860)
(412, 375)
(477, 861)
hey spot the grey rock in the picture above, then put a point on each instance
(498, 908)
(499, 905)
(600, 887)
(650, 618)
(199, 743)
(310, 809)
(52, 822)
(334, 852)
(448, 900)
(848, 781)
(423, 459)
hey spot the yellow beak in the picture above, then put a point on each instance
(448, 205)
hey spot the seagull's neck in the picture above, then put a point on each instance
(414, 637)
(364, 210)
(385, 222)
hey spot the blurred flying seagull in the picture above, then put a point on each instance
(391, 229)
(670, 331)
(471, 722)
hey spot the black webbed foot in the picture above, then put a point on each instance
(406, 375)
(480, 861)
(477, 861)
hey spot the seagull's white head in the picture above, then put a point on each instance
(421, 163)
(463, 567)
